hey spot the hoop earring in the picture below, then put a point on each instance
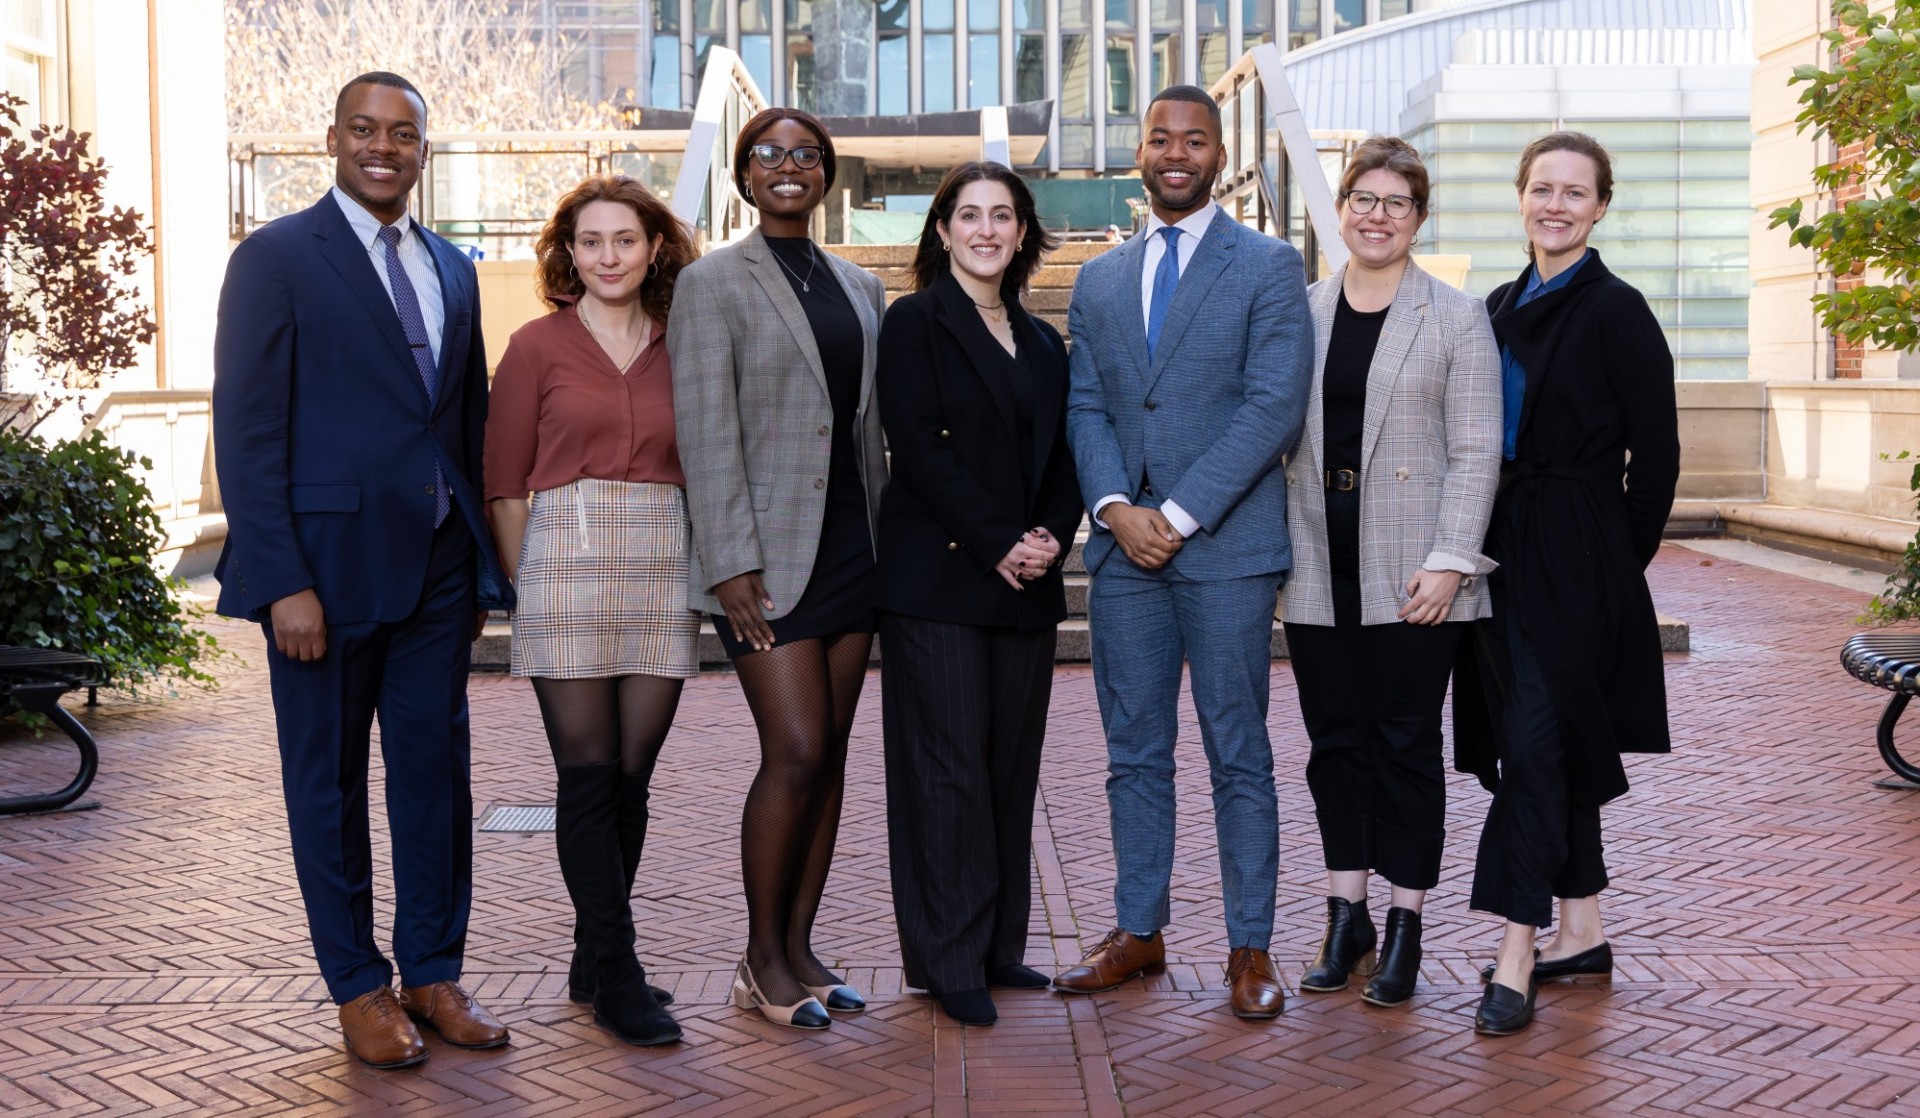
(572, 273)
(653, 269)
(746, 191)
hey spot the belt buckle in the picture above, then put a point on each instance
(1341, 481)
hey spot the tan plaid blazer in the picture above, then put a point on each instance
(751, 413)
(1429, 457)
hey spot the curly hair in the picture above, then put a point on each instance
(930, 261)
(557, 281)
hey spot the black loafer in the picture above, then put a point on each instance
(1014, 976)
(969, 1007)
(1504, 1011)
(1594, 962)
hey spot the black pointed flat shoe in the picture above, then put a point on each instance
(1594, 962)
(1504, 1011)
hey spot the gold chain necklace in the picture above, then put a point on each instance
(581, 308)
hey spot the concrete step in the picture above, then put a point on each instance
(1075, 642)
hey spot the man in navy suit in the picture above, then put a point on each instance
(1192, 358)
(349, 396)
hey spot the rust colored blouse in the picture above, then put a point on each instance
(560, 411)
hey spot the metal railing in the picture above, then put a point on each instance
(1277, 174)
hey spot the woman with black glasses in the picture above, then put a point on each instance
(772, 341)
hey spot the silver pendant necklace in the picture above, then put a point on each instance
(813, 261)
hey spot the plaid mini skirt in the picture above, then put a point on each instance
(602, 584)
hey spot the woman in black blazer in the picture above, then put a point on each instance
(1567, 675)
(982, 508)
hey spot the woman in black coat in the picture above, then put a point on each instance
(973, 529)
(1567, 674)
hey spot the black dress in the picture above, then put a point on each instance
(839, 593)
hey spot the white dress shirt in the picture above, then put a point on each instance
(414, 257)
(1192, 227)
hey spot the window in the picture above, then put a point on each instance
(936, 73)
(890, 76)
(983, 71)
(1303, 22)
(1030, 68)
(29, 32)
(1349, 15)
(1120, 75)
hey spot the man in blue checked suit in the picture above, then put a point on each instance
(1192, 358)
(349, 401)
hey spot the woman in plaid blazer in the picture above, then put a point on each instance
(773, 356)
(1388, 496)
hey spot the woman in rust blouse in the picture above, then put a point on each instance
(588, 507)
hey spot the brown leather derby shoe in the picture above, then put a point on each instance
(1257, 992)
(378, 1032)
(1120, 956)
(458, 1019)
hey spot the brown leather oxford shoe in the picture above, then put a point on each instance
(378, 1032)
(1255, 983)
(458, 1019)
(1120, 956)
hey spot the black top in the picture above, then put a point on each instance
(1020, 372)
(1343, 391)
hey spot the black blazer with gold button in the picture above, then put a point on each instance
(959, 499)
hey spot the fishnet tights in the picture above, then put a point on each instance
(803, 697)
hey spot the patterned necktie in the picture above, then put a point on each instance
(407, 303)
(1166, 280)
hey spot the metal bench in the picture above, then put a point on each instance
(1891, 661)
(36, 678)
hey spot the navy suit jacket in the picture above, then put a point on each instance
(1207, 418)
(324, 439)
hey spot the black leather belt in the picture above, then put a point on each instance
(1342, 481)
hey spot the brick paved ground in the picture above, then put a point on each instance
(1766, 921)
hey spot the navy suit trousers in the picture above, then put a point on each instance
(412, 675)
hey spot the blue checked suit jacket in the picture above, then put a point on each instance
(1207, 420)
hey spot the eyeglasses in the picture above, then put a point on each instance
(1363, 201)
(771, 156)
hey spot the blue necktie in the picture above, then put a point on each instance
(407, 303)
(1166, 281)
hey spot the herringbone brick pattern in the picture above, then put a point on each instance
(153, 956)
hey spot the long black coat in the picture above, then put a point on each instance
(958, 500)
(1572, 541)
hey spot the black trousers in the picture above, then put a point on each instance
(1371, 697)
(965, 712)
(1538, 843)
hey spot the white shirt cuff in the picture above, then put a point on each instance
(1104, 502)
(1441, 561)
(1177, 516)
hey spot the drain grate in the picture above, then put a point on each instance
(524, 818)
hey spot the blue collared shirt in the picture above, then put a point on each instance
(1513, 378)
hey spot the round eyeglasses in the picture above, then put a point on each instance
(1363, 201)
(771, 156)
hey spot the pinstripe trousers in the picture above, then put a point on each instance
(964, 710)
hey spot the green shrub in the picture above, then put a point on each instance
(77, 537)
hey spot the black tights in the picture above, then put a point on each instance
(802, 696)
(599, 721)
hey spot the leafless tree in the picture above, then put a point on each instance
(483, 66)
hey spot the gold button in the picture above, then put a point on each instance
(953, 547)
(819, 483)
(944, 433)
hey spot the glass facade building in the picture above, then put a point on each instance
(1097, 60)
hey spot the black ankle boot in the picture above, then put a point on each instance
(1399, 970)
(581, 977)
(1346, 949)
(625, 1006)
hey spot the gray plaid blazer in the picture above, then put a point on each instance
(1429, 455)
(750, 408)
